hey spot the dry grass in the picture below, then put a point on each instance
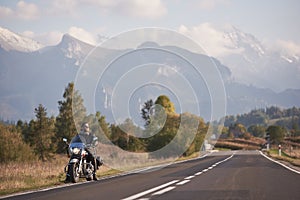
(16, 177)
(238, 144)
(284, 157)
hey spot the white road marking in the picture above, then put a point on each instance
(279, 163)
(183, 182)
(198, 173)
(138, 195)
(164, 190)
(189, 177)
(167, 186)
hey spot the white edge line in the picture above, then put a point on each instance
(164, 190)
(279, 163)
(183, 182)
(150, 190)
(189, 177)
(198, 173)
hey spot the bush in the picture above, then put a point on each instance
(13, 148)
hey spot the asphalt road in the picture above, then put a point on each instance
(230, 175)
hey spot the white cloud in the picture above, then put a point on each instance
(27, 11)
(48, 39)
(211, 4)
(5, 12)
(23, 10)
(132, 8)
(142, 8)
(64, 7)
(167, 71)
(83, 35)
(54, 37)
(287, 47)
(212, 40)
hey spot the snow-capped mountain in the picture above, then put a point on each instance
(32, 77)
(10, 41)
(256, 64)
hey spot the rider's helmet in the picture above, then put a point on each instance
(85, 127)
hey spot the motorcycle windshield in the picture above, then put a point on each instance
(76, 142)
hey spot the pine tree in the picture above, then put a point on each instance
(43, 134)
(147, 112)
(71, 110)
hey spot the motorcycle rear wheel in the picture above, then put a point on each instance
(74, 175)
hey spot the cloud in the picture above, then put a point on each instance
(142, 8)
(287, 47)
(49, 38)
(27, 11)
(64, 7)
(83, 35)
(211, 4)
(212, 40)
(54, 37)
(133, 8)
(23, 10)
(6, 12)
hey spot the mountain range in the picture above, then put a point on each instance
(32, 74)
(260, 65)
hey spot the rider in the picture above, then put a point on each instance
(91, 141)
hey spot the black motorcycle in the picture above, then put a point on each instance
(79, 165)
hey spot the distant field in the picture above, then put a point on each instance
(240, 144)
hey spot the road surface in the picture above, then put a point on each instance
(224, 175)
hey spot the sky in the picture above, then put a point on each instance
(271, 21)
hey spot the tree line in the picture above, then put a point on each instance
(41, 137)
(289, 118)
(272, 123)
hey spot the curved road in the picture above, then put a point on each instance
(224, 175)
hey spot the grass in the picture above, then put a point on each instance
(284, 157)
(222, 149)
(16, 177)
(20, 177)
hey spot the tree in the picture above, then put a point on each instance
(43, 134)
(165, 102)
(238, 130)
(147, 112)
(276, 133)
(257, 131)
(13, 148)
(98, 126)
(71, 110)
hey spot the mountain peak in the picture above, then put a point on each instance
(10, 41)
(245, 41)
(74, 48)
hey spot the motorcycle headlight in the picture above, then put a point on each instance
(75, 150)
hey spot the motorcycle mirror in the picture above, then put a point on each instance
(65, 139)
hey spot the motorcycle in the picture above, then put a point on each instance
(79, 166)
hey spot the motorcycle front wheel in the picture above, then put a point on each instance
(74, 175)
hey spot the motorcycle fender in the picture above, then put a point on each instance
(74, 160)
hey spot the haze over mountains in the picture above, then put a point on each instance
(32, 74)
